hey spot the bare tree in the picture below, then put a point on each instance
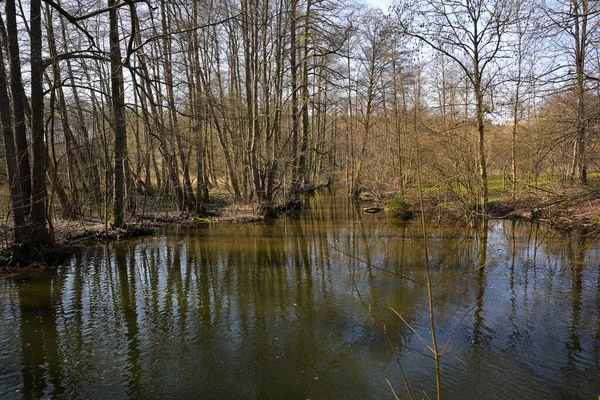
(471, 33)
(577, 21)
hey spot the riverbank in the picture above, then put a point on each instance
(565, 209)
(69, 235)
(72, 235)
(221, 208)
(568, 210)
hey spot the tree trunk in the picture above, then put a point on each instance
(302, 164)
(118, 108)
(72, 149)
(295, 189)
(579, 168)
(188, 194)
(14, 186)
(39, 233)
(18, 100)
(479, 106)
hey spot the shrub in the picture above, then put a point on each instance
(398, 207)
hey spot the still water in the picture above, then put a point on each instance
(271, 311)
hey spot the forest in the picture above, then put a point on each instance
(112, 110)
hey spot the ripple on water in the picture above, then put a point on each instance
(271, 311)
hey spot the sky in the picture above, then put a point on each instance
(383, 4)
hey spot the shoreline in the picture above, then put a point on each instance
(578, 211)
(72, 235)
(563, 212)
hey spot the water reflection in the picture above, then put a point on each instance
(269, 311)
(40, 360)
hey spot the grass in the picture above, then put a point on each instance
(545, 182)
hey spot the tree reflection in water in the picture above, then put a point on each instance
(268, 310)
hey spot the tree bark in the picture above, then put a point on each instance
(580, 34)
(39, 233)
(14, 186)
(18, 100)
(118, 108)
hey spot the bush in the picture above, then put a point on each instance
(398, 207)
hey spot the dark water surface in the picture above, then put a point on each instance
(269, 311)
